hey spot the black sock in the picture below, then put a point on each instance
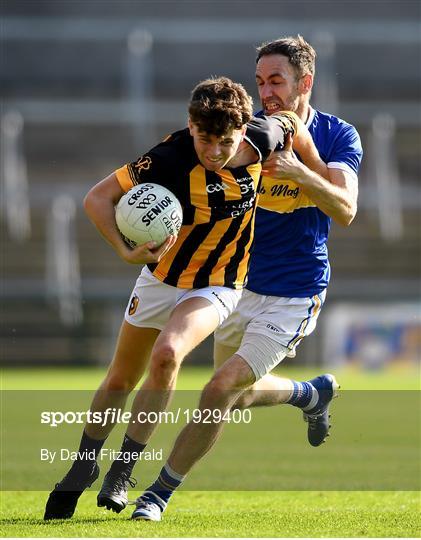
(129, 454)
(88, 452)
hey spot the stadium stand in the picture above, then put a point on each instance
(86, 111)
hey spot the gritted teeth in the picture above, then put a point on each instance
(272, 107)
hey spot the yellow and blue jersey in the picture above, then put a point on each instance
(290, 255)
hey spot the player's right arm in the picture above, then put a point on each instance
(100, 205)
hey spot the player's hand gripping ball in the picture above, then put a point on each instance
(148, 212)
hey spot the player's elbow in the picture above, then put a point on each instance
(346, 217)
(90, 201)
(87, 202)
(89, 206)
(344, 222)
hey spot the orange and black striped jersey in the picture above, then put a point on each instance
(213, 244)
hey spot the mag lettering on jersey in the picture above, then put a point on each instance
(283, 190)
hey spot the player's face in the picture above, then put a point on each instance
(279, 87)
(215, 152)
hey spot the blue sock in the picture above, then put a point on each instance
(302, 394)
(163, 487)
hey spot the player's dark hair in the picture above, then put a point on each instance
(300, 54)
(218, 105)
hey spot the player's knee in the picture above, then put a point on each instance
(219, 385)
(244, 401)
(164, 363)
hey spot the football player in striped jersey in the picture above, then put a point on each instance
(191, 283)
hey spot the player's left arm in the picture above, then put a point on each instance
(336, 196)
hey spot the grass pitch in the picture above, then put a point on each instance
(225, 513)
(228, 514)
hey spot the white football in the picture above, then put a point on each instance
(148, 212)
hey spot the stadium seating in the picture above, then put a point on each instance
(79, 126)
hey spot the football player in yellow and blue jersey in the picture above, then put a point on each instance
(289, 270)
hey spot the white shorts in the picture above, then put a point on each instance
(152, 302)
(284, 322)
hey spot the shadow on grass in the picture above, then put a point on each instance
(53, 522)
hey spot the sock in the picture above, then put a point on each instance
(304, 395)
(87, 454)
(130, 451)
(163, 487)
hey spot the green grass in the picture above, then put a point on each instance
(194, 378)
(280, 454)
(229, 514)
